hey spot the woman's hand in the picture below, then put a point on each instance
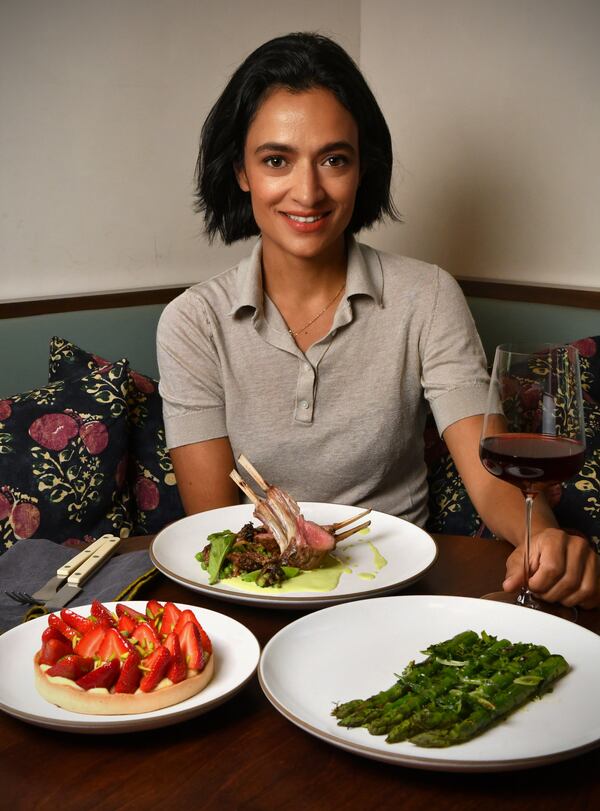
(564, 569)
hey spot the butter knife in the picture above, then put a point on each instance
(77, 578)
(48, 591)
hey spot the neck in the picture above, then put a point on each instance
(296, 278)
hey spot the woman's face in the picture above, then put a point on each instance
(301, 167)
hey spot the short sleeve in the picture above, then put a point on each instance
(190, 377)
(454, 375)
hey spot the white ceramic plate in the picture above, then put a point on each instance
(353, 651)
(408, 551)
(236, 657)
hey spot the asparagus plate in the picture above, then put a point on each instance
(387, 557)
(354, 650)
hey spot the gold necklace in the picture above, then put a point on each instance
(293, 333)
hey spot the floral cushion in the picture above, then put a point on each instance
(576, 503)
(63, 458)
(155, 497)
(450, 508)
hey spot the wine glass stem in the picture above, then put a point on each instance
(526, 597)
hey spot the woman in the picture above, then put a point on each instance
(316, 355)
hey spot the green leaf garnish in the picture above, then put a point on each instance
(220, 544)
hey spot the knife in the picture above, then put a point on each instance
(50, 588)
(77, 578)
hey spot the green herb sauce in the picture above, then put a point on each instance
(326, 578)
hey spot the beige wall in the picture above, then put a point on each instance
(101, 103)
(493, 105)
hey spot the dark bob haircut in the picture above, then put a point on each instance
(297, 62)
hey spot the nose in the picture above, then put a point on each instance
(307, 190)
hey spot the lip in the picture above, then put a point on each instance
(306, 226)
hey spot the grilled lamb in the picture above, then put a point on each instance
(302, 543)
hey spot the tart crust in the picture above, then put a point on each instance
(92, 702)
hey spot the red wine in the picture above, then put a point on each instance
(531, 461)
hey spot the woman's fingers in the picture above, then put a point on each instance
(588, 593)
(563, 568)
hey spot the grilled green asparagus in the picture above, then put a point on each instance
(464, 686)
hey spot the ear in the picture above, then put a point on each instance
(242, 178)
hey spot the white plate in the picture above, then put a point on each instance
(236, 657)
(353, 651)
(408, 550)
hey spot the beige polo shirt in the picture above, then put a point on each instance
(344, 422)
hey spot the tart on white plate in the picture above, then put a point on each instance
(124, 662)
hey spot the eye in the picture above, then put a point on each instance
(275, 161)
(335, 161)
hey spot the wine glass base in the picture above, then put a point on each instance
(513, 598)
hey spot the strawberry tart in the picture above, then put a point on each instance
(125, 662)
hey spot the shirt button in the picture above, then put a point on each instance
(308, 367)
(303, 404)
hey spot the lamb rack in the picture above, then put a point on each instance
(302, 543)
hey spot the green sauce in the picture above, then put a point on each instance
(326, 578)
(378, 558)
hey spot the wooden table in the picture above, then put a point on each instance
(244, 755)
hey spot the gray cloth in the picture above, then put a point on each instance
(344, 421)
(29, 564)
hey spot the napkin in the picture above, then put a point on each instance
(29, 564)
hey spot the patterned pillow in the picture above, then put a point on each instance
(63, 459)
(450, 508)
(576, 503)
(156, 501)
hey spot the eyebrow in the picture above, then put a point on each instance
(274, 146)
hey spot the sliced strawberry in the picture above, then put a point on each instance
(177, 670)
(81, 624)
(169, 618)
(145, 638)
(189, 616)
(71, 667)
(154, 611)
(126, 625)
(103, 676)
(191, 646)
(131, 612)
(53, 633)
(89, 644)
(54, 649)
(155, 667)
(102, 614)
(129, 679)
(54, 621)
(114, 646)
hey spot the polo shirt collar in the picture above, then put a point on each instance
(249, 288)
(364, 277)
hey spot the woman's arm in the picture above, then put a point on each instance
(202, 470)
(566, 569)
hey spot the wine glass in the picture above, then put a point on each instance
(533, 433)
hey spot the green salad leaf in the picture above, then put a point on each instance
(220, 544)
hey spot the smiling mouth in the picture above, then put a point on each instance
(309, 219)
